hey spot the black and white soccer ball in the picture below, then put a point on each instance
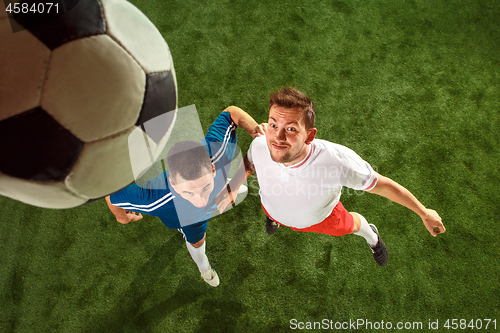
(71, 91)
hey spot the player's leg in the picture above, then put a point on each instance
(195, 242)
(362, 228)
(370, 233)
(197, 251)
(271, 226)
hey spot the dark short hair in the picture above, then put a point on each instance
(292, 98)
(188, 159)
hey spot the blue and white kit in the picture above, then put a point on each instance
(157, 199)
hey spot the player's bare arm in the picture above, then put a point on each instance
(227, 196)
(393, 191)
(123, 216)
(245, 121)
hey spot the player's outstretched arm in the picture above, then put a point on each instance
(391, 190)
(227, 196)
(123, 216)
(245, 121)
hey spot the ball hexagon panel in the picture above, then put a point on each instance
(99, 82)
(34, 146)
(23, 62)
(142, 39)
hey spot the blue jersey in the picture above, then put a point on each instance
(156, 198)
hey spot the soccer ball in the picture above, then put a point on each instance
(72, 89)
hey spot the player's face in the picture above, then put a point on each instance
(286, 134)
(195, 191)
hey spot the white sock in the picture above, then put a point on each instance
(199, 256)
(366, 231)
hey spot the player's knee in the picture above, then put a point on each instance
(356, 222)
(199, 243)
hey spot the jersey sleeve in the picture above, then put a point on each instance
(257, 143)
(222, 129)
(221, 140)
(139, 198)
(249, 152)
(356, 172)
(127, 197)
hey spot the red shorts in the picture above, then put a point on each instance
(338, 223)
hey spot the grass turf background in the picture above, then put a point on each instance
(411, 86)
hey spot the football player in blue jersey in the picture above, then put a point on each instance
(185, 196)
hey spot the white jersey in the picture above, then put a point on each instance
(305, 193)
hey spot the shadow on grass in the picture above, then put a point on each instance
(128, 315)
(224, 313)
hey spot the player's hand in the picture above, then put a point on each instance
(432, 222)
(260, 130)
(130, 217)
(225, 198)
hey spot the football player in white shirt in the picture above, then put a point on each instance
(301, 177)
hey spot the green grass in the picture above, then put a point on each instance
(412, 86)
